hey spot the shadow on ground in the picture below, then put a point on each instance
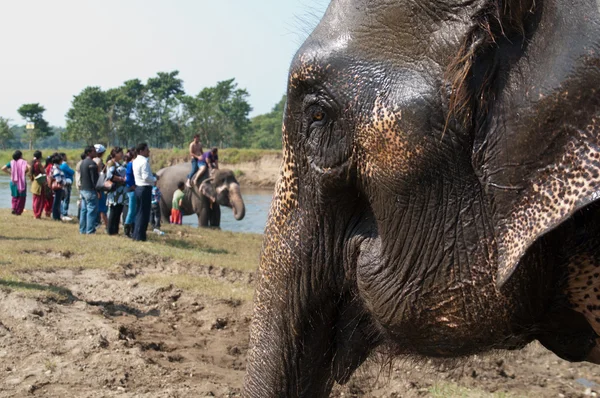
(187, 245)
(109, 308)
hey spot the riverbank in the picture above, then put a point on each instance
(254, 167)
(92, 316)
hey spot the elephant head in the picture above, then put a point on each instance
(437, 194)
(223, 188)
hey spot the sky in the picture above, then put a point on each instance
(52, 50)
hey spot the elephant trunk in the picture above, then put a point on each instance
(237, 203)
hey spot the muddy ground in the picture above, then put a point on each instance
(99, 333)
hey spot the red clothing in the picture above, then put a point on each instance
(176, 217)
(18, 204)
(38, 205)
(48, 194)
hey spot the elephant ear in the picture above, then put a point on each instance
(525, 84)
(207, 189)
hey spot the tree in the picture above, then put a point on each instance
(162, 93)
(219, 114)
(88, 119)
(34, 113)
(266, 129)
(127, 101)
(6, 133)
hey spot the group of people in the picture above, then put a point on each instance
(50, 184)
(122, 188)
(124, 184)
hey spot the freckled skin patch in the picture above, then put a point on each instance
(583, 287)
(381, 147)
(558, 191)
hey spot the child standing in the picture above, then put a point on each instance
(155, 209)
(176, 217)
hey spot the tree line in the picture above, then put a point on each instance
(158, 112)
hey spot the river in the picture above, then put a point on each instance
(257, 203)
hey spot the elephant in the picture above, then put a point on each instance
(205, 197)
(438, 196)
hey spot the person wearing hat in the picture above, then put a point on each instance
(102, 206)
(100, 150)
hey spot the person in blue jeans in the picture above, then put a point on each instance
(196, 156)
(89, 197)
(129, 225)
(69, 178)
(57, 183)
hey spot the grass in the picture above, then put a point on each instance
(28, 245)
(204, 285)
(451, 390)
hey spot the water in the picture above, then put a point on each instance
(257, 203)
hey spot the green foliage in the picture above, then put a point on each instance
(159, 107)
(219, 114)
(128, 102)
(158, 112)
(89, 119)
(266, 129)
(6, 133)
(34, 113)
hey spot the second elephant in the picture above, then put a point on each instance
(205, 197)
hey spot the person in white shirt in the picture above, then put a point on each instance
(144, 180)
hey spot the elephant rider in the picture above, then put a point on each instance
(196, 155)
(210, 160)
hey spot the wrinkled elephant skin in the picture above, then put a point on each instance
(438, 191)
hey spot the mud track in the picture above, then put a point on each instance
(106, 334)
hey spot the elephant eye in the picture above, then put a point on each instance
(318, 115)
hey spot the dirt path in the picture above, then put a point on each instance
(114, 336)
(117, 337)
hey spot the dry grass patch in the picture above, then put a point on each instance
(203, 285)
(451, 390)
(28, 245)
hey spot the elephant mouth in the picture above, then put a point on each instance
(321, 168)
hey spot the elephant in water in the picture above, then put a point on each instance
(205, 197)
(439, 190)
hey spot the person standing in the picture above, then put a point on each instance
(196, 155)
(129, 225)
(77, 181)
(155, 212)
(176, 217)
(115, 172)
(57, 184)
(69, 176)
(88, 194)
(144, 180)
(48, 194)
(17, 168)
(38, 187)
(102, 208)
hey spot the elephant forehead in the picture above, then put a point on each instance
(382, 146)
